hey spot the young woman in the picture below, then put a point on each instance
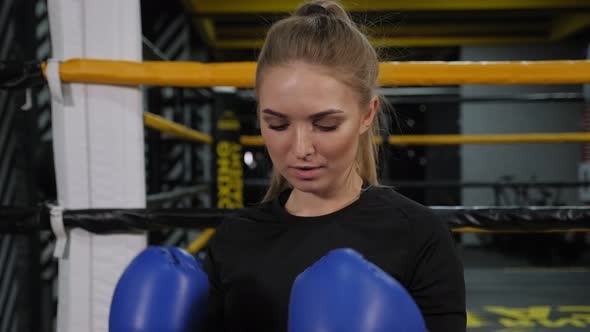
(316, 86)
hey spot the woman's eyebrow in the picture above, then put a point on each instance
(324, 113)
(275, 113)
(312, 117)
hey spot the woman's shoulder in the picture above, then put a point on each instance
(389, 197)
(387, 206)
(422, 219)
(259, 212)
(244, 228)
(253, 214)
(399, 208)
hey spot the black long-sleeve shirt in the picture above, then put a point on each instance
(256, 255)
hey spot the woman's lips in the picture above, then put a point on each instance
(305, 172)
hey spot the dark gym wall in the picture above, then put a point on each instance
(174, 164)
(24, 36)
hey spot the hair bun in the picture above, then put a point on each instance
(325, 8)
(315, 9)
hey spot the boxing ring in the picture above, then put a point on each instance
(101, 218)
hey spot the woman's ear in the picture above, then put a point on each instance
(368, 117)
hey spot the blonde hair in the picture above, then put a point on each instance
(322, 33)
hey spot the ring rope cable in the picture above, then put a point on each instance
(161, 124)
(241, 74)
(250, 140)
(201, 241)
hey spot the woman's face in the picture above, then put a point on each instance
(311, 123)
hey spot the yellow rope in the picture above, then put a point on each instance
(241, 74)
(251, 140)
(500, 72)
(463, 139)
(201, 241)
(162, 124)
(159, 123)
(489, 139)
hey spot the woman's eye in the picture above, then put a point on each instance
(326, 128)
(326, 125)
(278, 127)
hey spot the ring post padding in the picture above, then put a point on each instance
(98, 151)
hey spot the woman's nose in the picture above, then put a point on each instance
(302, 144)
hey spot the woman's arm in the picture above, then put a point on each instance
(436, 280)
(215, 305)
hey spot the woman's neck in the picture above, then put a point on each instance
(305, 204)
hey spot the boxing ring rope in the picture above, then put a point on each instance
(241, 74)
(463, 139)
(201, 241)
(163, 125)
(478, 219)
(489, 139)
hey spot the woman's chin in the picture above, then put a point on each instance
(306, 185)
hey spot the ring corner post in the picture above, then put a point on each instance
(98, 152)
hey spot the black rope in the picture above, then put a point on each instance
(109, 221)
(20, 75)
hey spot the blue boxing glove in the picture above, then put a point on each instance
(163, 289)
(343, 292)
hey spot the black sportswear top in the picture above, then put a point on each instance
(255, 256)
